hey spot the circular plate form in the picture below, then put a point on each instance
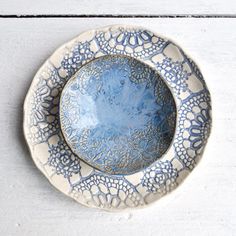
(106, 188)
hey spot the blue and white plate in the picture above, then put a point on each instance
(117, 117)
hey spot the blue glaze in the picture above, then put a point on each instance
(117, 114)
(87, 185)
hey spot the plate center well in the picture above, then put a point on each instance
(117, 114)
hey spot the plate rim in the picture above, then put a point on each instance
(107, 28)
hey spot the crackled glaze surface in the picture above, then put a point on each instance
(79, 180)
(117, 114)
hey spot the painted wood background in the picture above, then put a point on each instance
(118, 7)
(204, 205)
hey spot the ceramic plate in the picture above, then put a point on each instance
(117, 117)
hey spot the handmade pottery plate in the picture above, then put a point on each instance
(117, 117)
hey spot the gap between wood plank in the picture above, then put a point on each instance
(120, 16)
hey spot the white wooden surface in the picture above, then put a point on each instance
(204, 205)
(160, 7)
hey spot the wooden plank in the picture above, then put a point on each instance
(160, 7)
(203, 205)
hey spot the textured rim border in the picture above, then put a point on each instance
(91, 187)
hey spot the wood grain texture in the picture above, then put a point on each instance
(159, 7)
(204, 205)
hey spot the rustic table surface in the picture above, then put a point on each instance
(31, 31)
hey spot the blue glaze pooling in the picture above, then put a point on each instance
(117, 114)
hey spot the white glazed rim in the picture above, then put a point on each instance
(76, 39)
